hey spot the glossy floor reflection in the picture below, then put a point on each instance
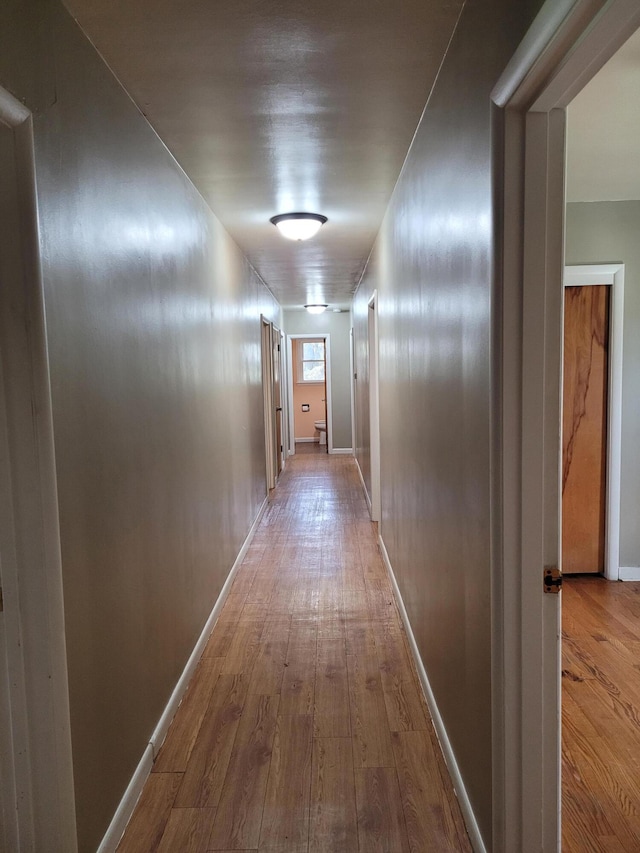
(304, 728)
(600, 716)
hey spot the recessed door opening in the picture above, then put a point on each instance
(273, 397)
(598, 639)
(310, 426)
(574, 651)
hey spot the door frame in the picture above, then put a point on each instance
(352, 390)
(569, 41)
(584, 275)
(291, 372)
(280, 455)
(374, 405)
(266, 346)
(39, 731)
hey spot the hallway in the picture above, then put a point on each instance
(304, 728)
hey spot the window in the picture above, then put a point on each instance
(310, 361)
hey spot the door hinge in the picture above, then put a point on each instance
(552, 580)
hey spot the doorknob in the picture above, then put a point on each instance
(278, 408)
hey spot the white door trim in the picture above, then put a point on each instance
(569, 41)
(374, 406)
(309, 336)
(613, 275)
(352, 392)
(32, 566)
(266, 346)
(285, 400)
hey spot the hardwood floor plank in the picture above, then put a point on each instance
(187, 830)
(331, 716)
(285, 820)
(406, 708)
(149, 819)
(360, 637)
(207, 766)
(176, 749)
(233, 606)
(243, 648)
(220, 640)
(369, 723)
(591, 762)
(298, 685)
(428, 806)
(269, 666)
(601, 717)
(248, 773)
(239, 816)
(245, 577)
(333, 822)
(257, 605)
(330, 610)
(381, 824)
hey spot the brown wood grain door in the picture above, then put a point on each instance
(584, 427)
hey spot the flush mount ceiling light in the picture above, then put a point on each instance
(316, 309)
(298, 226)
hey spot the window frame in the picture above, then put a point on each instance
(300, 361)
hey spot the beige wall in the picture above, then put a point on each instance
(607, 232)
(314, 395)
(432, 267)
(153, 322)
(339, 327)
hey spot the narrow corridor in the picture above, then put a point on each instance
(304, 728)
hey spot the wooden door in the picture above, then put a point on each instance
(584, 428)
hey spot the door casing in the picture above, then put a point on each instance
(267, 336)
(569, 41)
(374, 407)
(36, 745)
(290, 371)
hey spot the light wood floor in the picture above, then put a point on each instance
(601, 716)
(304, 729)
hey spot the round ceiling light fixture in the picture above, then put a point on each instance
(298, 226)
(316, 309)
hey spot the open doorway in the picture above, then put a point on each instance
(310, 424)
(273, 398)
(564, 50)
(599, 638)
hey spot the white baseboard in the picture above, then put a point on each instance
(629, 573)
(306, 440)
(364, 485)
(127, 804)
(342, 450)
(134, 789)
(456, 777)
